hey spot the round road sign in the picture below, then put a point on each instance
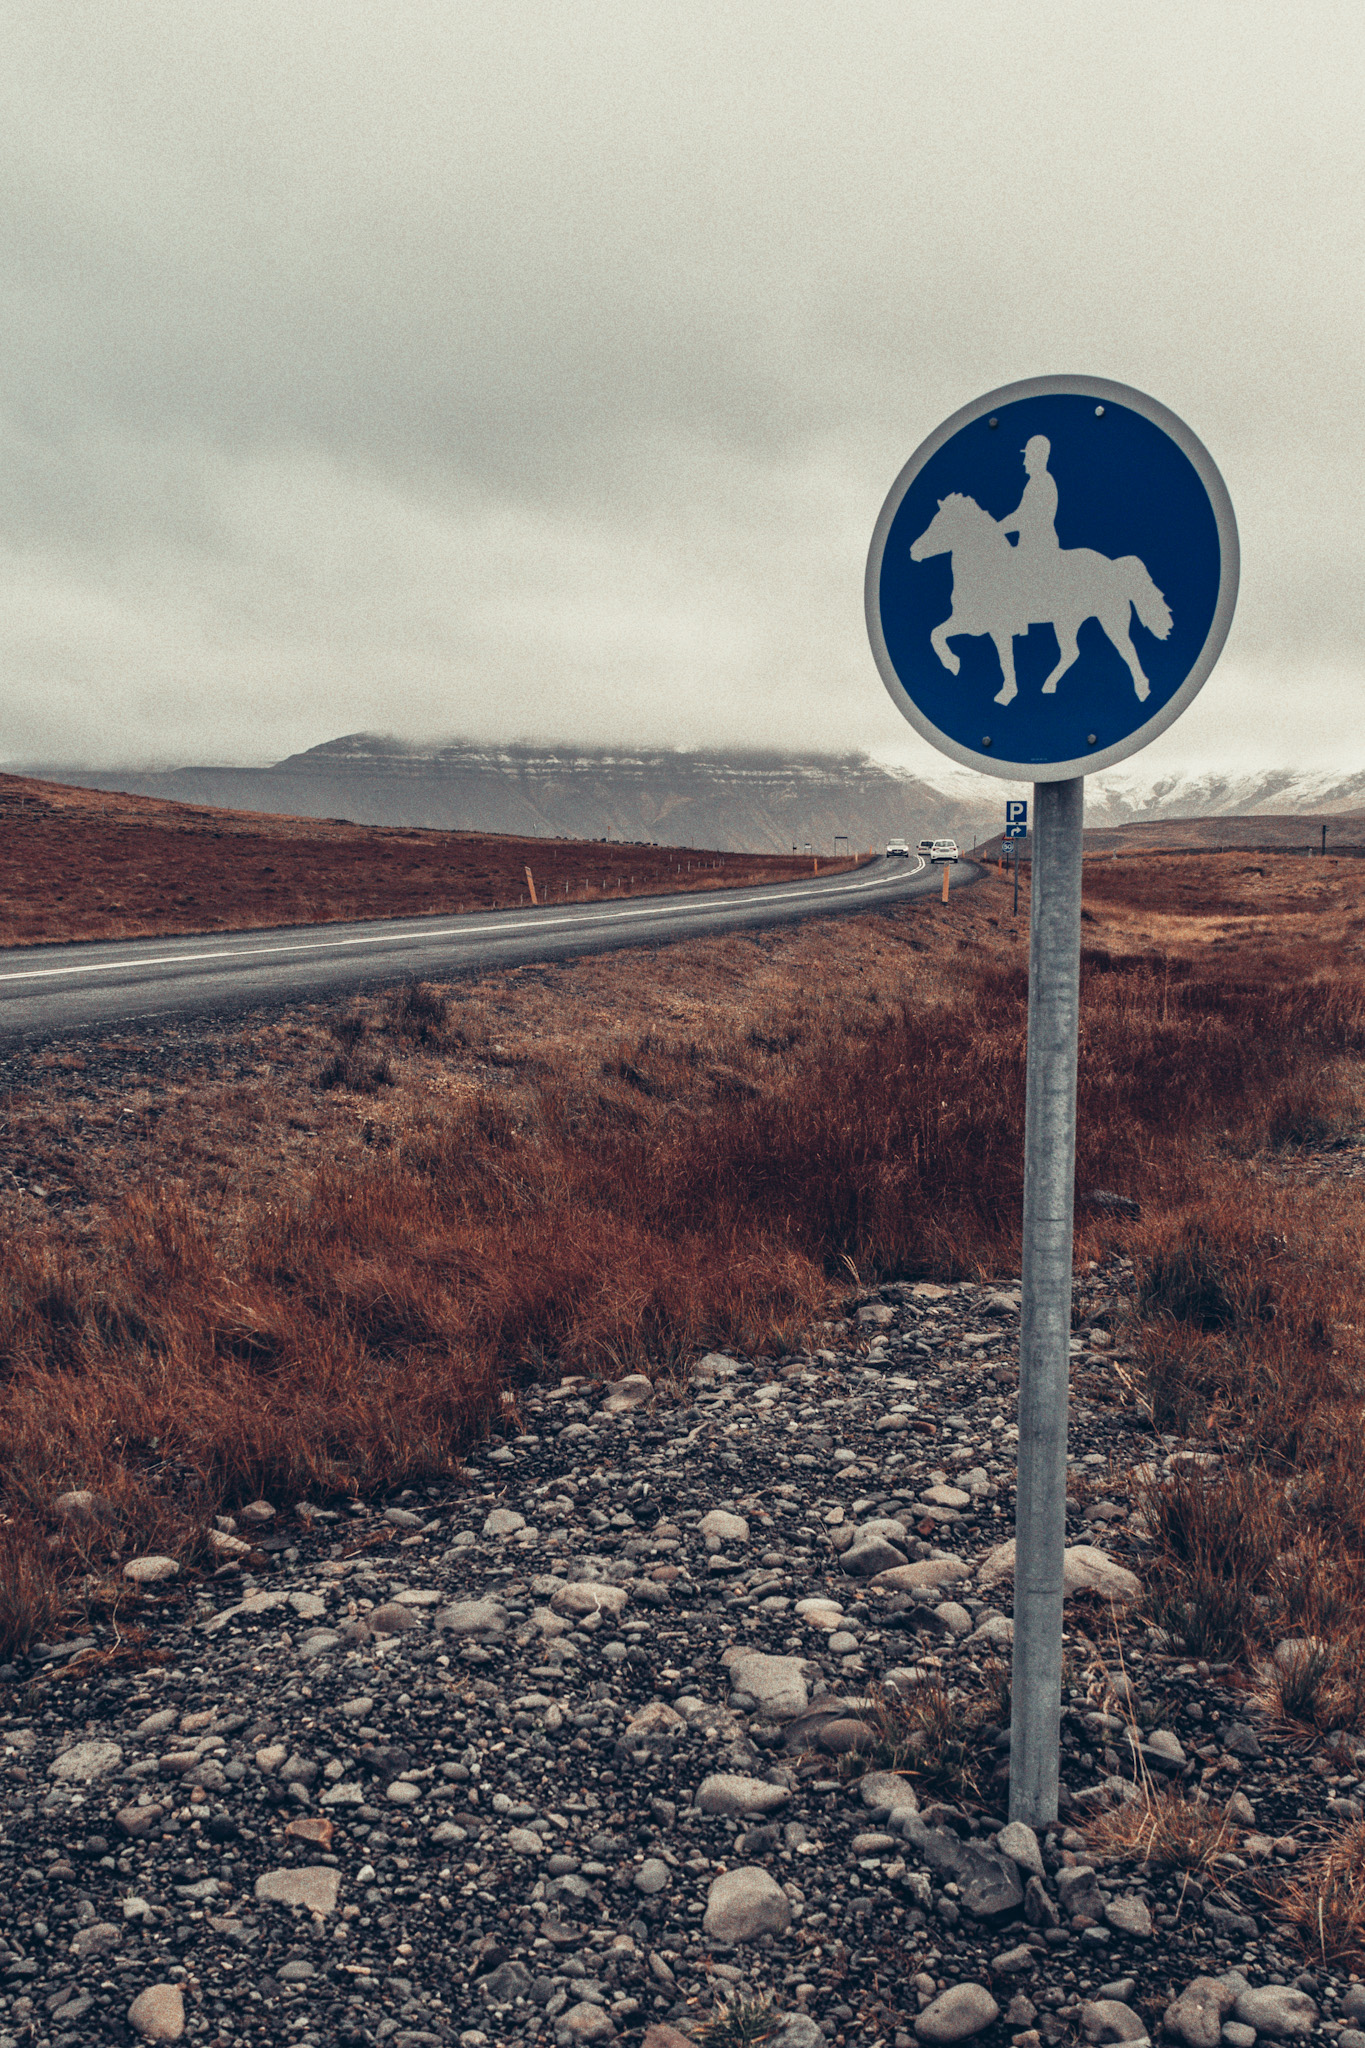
(1052, 578)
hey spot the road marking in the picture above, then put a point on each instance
(659, 909)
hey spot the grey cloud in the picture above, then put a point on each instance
(541, 371)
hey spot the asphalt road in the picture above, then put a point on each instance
(50, 991)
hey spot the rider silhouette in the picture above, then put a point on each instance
(1035, 520)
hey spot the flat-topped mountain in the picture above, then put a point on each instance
(732, 801)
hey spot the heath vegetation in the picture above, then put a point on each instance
(322, 1253)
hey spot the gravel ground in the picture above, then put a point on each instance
(584, 1747)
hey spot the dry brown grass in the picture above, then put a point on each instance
(86, 864)
(1323, 1902)
(320, 1267)
(1164, 1828)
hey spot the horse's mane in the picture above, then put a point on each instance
(958, 498)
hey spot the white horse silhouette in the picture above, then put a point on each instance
(1001, 591)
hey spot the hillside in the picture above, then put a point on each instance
(83, 864)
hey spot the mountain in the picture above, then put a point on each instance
(741, 802)
(752, 802)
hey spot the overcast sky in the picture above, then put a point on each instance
(537, 371)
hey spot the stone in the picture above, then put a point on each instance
(313, 1886)
(503, 1522)
(989, 1885)
(957, 2014)
(346, 1793)
(1240, 1740)
(525, 1842)
(1078, 1891)
(1084, 1570)
(887, 1793)
(473, 1618)
(138, 1821)
(1109, 2019)
(924, 1575)
(402, 1792)
(97, 1939)
(150, 1571)
(661, 2036)
(1020, 1844)
(158, 2013)
(868, 1556)
(955, 1618)
(1039, 1910)
(992, 1632)
(871, 1844)
(1225, 1921)
(1129, 1916)
(588, 1596)
(586, 2022)
(729, 1792)
(776, 1684)
(311, 1827)
(85, 1762)
(1014, 1961)
(1196, 2017)
(1240, 1811)
(631, 1392)
(508, 1981)
(846, 1736)
(742, 1904)
(797, 2030)
(392, 1619)
(652, 1876)
(1277, 2011)
(946, 1497)
(655, 1719)
(258, 1511)
(1235, 2035)
(1163, 1745)
(1353, 2003)
(317, 1643)
(80, 1505)
(721, 1523)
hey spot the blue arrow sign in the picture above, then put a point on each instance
(1016, 832)
(1052, 578)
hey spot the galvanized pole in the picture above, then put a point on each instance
(1045, 1334)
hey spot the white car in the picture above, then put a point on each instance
(898, 849)
(943, 849)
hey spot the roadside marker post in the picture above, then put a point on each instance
(1050, 583)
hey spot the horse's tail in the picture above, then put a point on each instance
(1152, 607)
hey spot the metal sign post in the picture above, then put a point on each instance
(1045, 1326)
(1050, 583)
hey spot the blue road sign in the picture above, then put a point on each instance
(1052, 578)
(1016, 831)
(1016, 811)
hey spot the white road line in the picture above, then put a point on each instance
(660, 909)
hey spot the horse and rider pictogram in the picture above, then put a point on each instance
(1002, 589)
